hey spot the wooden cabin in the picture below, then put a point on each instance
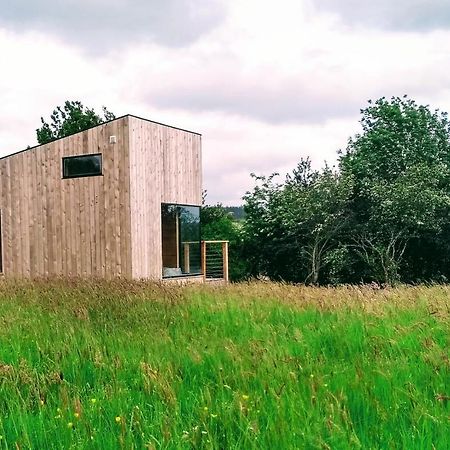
(121, 199)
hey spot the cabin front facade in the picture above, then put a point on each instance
(119, 199)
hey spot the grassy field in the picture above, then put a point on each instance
(108, 365)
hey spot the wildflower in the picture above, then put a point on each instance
(118, 419)
(70, 425)
(93, 401)
(245, 397)
(185, 435)
(42, 403)
(205, 408)
(76, 415)
(58, 410)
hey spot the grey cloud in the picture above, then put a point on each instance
(292, 101)
(402, 15)
(99, 25)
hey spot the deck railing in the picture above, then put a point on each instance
(215, 260)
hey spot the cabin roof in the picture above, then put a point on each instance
(94, 126)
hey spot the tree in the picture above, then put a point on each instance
(398, 135)
(383, 216)
(400, 165)
(71, 118)
(294, 225)
(217, 224)
(268, 250)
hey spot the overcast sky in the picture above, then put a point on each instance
(265, 82)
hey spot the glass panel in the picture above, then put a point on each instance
(190, 239)
(170, 239)
(82, 166)
(181, 250)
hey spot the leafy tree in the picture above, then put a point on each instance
(294, 225)
(384, 216)
(398, 135)
(71, 118)
(400, 165)
(268, 249)
(217, 224)
(316, 213)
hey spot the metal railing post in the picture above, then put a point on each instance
(225, 260)
(203, 258)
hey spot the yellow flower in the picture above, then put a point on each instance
(205, 408)
(93, 401)
(42, 403)
(245, 397)
(118, 419)
(76, 415)
(70, 425)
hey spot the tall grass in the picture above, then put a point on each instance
(106, 365)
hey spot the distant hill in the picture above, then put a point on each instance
(237, 212)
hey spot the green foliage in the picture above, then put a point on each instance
(384, 216)
(398, 135)
(292, 226)
(400, 165)
(250, 366)
(69, 119)
(217, 223)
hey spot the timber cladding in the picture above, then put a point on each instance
(103, 226)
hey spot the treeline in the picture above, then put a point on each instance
(382, 215)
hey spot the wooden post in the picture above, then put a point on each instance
(203, 258)
(187, 265)
(177, 237)
(225, 260)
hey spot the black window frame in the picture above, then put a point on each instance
(178, 206)
(1, 242)
(64, 176)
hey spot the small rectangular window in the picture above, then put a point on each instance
(82, 166)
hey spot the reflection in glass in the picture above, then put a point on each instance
(181, 252)
(82, 166)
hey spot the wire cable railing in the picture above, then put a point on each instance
(215, 260)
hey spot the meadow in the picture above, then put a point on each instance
(116, 364)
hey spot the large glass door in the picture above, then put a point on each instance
(181, 249)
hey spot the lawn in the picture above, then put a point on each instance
(107, 365)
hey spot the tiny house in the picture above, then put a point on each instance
(119, 199)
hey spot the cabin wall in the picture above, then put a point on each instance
(165, 167)
(69, 227)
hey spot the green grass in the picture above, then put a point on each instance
(108, 365)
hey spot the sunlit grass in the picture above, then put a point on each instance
(107, 365)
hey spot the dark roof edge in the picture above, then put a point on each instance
(95, 126)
